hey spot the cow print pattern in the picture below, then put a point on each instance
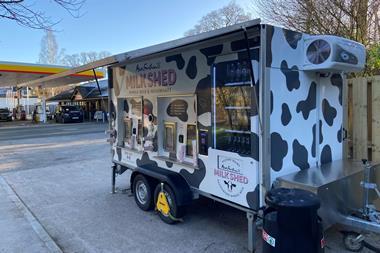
(329, 112)
(279, 149)
(300, 155)
(306, 106)
(178, 60)
(211, 53)
(195, 179)
(191, 69)
(340, 135)
(326, 156)
(292, 76)
(337, 81)
(314, 137)
(292, 37)
(295, 108)
(253, 198)
(286, 116)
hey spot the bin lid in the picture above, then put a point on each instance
(292, 198)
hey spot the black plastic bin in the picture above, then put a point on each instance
(291, 222)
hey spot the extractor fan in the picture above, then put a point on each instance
(328, 52)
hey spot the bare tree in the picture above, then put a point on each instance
(228, 15)
(49, 53)
(74, 60)
(355, 19)
(24, 13)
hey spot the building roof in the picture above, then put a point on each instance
(84, 91)
(15, 73)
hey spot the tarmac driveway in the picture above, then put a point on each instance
(65, 182)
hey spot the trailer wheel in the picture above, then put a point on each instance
(351, 243)
(176, 212)
(142, 193)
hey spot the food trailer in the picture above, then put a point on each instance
(226, 114)
(229, 114)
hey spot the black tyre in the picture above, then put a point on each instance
(142, 192)
(350, 243)
(176, 212)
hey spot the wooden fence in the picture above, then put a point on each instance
(362, 121)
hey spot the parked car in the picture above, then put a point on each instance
(5, 114)
(69, 113)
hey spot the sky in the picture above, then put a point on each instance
(115, 26)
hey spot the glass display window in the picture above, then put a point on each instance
(232, 107)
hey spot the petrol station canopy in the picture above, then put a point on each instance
(16, 74)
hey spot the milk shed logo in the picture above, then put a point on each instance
(230, 177)
(150, 75)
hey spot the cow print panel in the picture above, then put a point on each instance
(211, 53)
(292, 37)
(286, 116)
(238, 45)
(203, 92)
(300, 155)
(313, 145)
(329, 112)
(279, 149)
(326, 156)
(197, 176)
(291, 75)
(270, 32)
(339, 135)
(253, 198)
(306, 106)
(191, 69)
(337, 80)
(178, 60)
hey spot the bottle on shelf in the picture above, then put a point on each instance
(238, 72)
(231, 72)
(244, 72)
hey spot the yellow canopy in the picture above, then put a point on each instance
(15, 73)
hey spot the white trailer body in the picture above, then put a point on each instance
(188, 106)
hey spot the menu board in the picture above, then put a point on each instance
(178, 108)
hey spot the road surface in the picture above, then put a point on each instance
(62, 175)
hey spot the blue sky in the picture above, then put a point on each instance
(113, 25)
